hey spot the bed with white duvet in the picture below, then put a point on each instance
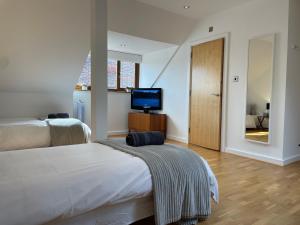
(84, 184)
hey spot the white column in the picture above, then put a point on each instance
(99, 69)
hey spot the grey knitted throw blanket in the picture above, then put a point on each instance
(180, 182)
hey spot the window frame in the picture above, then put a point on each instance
(137, 78)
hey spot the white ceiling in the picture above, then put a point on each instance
(131, 44)
(198, 9)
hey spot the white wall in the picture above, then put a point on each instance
(117, 110)
(153, 64)
(124, 56)
(174, 82)
(99, 69)
(292, 106)
(244, 22)
(32, 104)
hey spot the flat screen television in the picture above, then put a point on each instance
(146, 99)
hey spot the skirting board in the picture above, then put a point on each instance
(264, 158)
(256, 156)
(176, 138)
(291, 159)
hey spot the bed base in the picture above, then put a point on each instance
(118, 214)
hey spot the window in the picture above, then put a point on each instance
(112, 74)
(120, 75)
(125, 75)
(85, 76)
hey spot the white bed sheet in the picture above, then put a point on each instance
(38, 186)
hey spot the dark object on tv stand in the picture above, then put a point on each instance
(58, 116)
(146, 110)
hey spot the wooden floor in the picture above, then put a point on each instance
(252, 192)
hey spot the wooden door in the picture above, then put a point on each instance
(206, 94)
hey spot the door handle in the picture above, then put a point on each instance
(214, 94)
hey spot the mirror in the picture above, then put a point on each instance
(259, 88)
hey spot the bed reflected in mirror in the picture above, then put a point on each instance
(259, 88)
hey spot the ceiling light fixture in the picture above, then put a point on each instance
(186, 6)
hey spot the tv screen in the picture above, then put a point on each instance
(146, 99)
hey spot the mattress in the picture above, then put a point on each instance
(40, 186)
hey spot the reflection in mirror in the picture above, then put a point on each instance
(259, 88)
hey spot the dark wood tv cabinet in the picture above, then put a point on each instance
(147, 122)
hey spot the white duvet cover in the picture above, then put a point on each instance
(38, 186)
(25, 133)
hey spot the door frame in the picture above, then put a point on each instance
(226, 37)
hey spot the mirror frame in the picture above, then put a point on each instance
(273, 36)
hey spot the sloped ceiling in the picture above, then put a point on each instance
(43, 44)
(149, 22)
(132, 44)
